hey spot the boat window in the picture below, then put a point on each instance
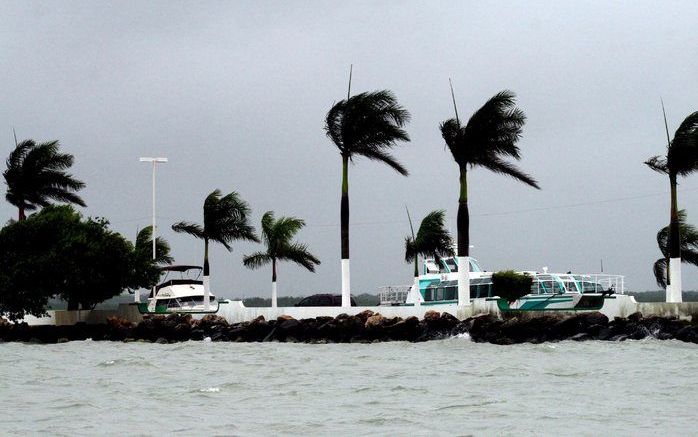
(474, 266)
(571, 286)
(450, 293)
(451, 264)
(439, 293)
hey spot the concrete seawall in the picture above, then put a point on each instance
(236, 312)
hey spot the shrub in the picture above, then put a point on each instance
(510, 285)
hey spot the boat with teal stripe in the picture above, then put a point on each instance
(569, 291)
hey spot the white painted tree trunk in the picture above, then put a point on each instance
(207, 293)
(273, 295)
(346, 293)
(463, 280)
(415, 292)
(137, 296)
(673, 291)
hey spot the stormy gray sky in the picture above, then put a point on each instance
(235, 93)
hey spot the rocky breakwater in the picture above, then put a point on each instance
(366, 327)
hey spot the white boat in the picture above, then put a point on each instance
(438, 284)
(183, 293)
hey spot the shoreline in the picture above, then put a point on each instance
(365, 327)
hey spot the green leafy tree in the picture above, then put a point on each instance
(56, 253)
(681, 160)
(689, 248)
(36, 175)
(369, 125)
(226, 219)
(487, 139)
(432, 240)
(277, 235)
(511, 285)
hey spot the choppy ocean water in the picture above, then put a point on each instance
(436, 388)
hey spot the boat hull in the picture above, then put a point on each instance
(143, 309)
(554, 302)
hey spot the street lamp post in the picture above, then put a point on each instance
(154, 229)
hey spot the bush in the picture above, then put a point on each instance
(510, 285)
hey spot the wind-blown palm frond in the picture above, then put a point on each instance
(682, 155)
(144, 246)
(490, 135)
(278, 235)
(226, 219)
(432, 239)
(368, 124)
(659, 269)
(299, 254)
(189, 228)
(256, 260)
(658, 164)
(497, 165)
(689, 247)
(36, 176)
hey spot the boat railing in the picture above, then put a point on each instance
(600, 283)
(393, 294)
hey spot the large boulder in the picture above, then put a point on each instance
(375, 321)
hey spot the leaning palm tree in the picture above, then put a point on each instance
(36, 175)
(368, 125)
(432, 239)
(689, 248)
(486, 140)
(681, 160)
(226, 219)
(278, 235)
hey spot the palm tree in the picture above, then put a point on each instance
(486, 140)
(225, 220)
(689, 248)
(278, 235)
(147, 270)
(36, 175)
(681, 160)
(433, 239)
(369, 125)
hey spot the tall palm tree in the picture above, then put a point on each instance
(486, 140)
(278, 235)
(226, 219)
(689, 248)
(681, 160)
(432, 239)
(36, 175)
(369, 125)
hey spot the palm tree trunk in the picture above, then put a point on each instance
(673, 289)
(274, 295)
(22, 215)
(344, 216)
(207, 289)
(463, 223)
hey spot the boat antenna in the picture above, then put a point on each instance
(15, 134)
(601, 265)
(666, 125)
(453, 96)
(351, 68)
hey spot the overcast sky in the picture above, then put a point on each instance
(235, 94)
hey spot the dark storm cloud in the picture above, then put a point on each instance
(235, 93)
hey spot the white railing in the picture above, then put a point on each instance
(393, 294)
(586, 283)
